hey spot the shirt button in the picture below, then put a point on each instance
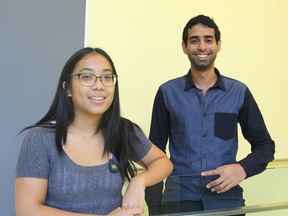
(204, 135)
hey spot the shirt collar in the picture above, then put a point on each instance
(219, 83)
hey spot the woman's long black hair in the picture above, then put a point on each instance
(119, 133)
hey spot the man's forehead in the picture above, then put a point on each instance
(201, 30)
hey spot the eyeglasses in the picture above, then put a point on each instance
(87, 79)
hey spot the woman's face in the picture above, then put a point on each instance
(95, 99)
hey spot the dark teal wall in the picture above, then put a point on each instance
(36, 38)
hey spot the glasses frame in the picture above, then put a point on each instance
(114, 76)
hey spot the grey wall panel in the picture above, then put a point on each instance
(36, 38)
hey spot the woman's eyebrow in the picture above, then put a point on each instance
(107, 70)
(92, 70)
(86, 69)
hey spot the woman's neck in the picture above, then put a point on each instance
(84, 125)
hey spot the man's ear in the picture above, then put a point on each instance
(219, 45)
(184, 47)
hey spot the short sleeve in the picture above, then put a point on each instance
(142, 147)
(33, 159)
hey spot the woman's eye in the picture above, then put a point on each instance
(107, 77)
(86, 76)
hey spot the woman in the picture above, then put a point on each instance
(75, 159)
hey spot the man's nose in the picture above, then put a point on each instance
(202, 45)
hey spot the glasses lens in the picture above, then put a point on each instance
(90, 79)
(87, 79)
(108, 80)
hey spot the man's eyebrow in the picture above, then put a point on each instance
(193, 37)
(205, 36)
(209, 36)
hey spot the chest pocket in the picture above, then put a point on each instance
(225, 125)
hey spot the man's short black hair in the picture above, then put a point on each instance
(204, 20)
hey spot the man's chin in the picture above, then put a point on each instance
(202, 67)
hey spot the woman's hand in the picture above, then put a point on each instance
(157, 167)
(135, 193)
(126, 212)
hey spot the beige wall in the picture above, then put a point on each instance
(144, 40)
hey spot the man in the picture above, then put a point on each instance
(199, 113)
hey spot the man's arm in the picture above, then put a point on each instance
(159, 132)
(255, 132)
(160, 122)
(262, 150)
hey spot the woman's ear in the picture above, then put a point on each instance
(64, 85)
(69, 93)
(67, 90)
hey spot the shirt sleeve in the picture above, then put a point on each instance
(33, 158)
(142, 146)
(159, 128)
(255, 132)
(159, 133)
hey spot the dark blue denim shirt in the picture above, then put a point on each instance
(202, 134)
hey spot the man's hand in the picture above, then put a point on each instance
(229, 176)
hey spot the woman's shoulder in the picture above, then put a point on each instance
(39, 131)
(129, 124)
(139, 141)
(36, 153)
(39, 136)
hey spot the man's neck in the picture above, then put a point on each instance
(204, 79)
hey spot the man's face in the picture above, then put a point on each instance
(201, 47)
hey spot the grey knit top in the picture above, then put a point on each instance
(71, 187)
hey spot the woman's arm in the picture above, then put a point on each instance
(157, 167)
(30, 194)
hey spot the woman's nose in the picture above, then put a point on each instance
(98, 84)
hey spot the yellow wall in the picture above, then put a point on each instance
(144, 40)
